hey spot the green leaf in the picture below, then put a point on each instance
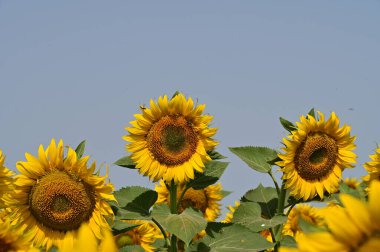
(214, 155)
(248, 214)
(136, 199)
(120, 227)
(133, 248)
(312, 113)
(80, 149)
(289, 126)
(255, 157)
(185, 225)
(266, 197)
(212, 172)
(126, 162)
(288, 242)
(234, 238)
(215, 227)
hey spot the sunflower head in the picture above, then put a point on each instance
(373, 167)
(206, 200)
(230, 214)
(170, 139)
(143, 235)
(13, 238)
(6, 179)
(315, 155)
(54, 195)
(354, 227)
(307, 213)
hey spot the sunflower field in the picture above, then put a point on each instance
(59, 200)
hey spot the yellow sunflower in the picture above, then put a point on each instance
(54, 195)
(354, 227)
(86, 241)
(315, 155)
(352, 182)
(6, 179)
(171, 139)
(207, 200)
(230, 214)
(307, 213)
(13, 239)
(143, 235)
(373, 167)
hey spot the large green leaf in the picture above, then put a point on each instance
(288, 242)
(126, 162)
(266, 197)
(212, 172)
(248, 214)
(185, 225)
(80, 149)
(136, 199)
(234, 238)
(289, 126)
(255, 157)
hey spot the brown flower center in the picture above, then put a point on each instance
(316, 156)
(172, 140)
(194, 198)
(61, 202)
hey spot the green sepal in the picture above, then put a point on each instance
(126, 162)
(289, 126)
(79, 150)
(214, 155)
(312, 113)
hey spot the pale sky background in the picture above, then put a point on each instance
(80, 69)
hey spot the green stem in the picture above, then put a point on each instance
(290, 209)
(280, 211)
(167, 240)
(181, 196)
(275, 182)
(173, 210)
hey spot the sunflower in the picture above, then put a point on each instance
(13, 239)
(170, 140)
(373, 167)
(6, 179)
(54, 195)
(206, 200)
(86, 241)
(354, 227)
(230, 214)
(352, 183)
(315, 155)
(307, 213)
(143, 235)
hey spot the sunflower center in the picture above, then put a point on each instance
(172, 140)
(5, 246)
(316, 156)
(194, 198)
(61, 202)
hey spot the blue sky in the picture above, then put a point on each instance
(80, 69)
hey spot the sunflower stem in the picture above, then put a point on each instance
(181, 196)
(173, 210)
(280, 211)
(167, 240)
(275, 182)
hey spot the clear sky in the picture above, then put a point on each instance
(80, 69)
